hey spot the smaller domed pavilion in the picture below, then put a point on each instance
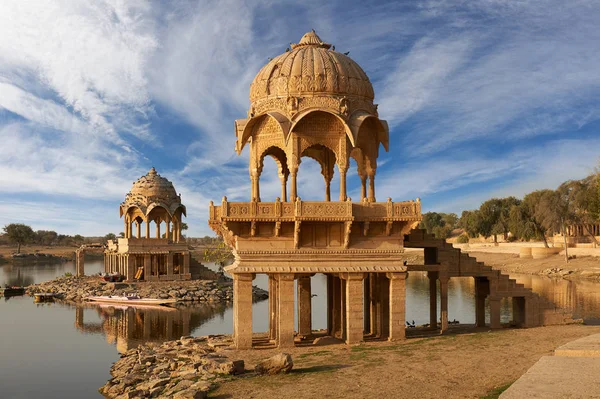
(152, 256)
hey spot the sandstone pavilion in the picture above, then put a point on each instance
(313, 101)
(148, 252)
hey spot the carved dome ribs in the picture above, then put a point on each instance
(311, 67)
(151, 191)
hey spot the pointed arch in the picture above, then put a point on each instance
(301, 115)
(245, 127)
(357, 120)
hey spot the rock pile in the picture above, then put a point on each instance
(183, 369)
(76, 289)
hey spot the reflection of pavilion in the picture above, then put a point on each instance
(128, 327)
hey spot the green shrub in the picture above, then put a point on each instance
(462, 239)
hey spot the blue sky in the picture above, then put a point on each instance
(483, 97)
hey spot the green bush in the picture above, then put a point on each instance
(462, 239)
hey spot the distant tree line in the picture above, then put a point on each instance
(538, 214)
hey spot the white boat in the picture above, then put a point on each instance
(130, 300)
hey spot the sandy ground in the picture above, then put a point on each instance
(458, 365)
(66, 251)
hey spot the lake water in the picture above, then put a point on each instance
(61, 351)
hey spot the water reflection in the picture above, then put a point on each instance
(127, 327)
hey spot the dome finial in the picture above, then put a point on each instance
(311, 39)
(152, 171)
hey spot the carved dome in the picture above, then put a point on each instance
(311, 67)
(150, 191)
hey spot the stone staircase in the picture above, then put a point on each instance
(199, 271)
(452, 262)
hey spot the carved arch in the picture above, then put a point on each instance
(358, 119)
(301, 115)
(280, 157)
(247, 131)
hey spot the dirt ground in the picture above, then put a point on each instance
(65, 251)
(461, 364)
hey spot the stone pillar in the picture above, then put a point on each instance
(131, 267)
(343, 171)
(444, 302)
(170, 265)
(148, 229)
(354, 308)
(242, 310)
(157, 229)
(147, 266)
(372, 186)
(397, 306)
(433, 276)
(329, 304)
(273, 307)
(186, 263)
(80, 262)
(384, 300)
(125, 227)
(285, 311)
(304, 306)
(327, 190)
(168, 229)
(363, 188)
(481, 292)
(375, 304)
(293, 188)
(336, 308)
(283, 179)
(367, 304)
(518, 311)
(495, 313)
(343, 315)
(139, 229)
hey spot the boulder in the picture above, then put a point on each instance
(280, 363)
(327, 340)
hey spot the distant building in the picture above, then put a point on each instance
(150, 253)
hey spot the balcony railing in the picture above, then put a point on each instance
(315, 210)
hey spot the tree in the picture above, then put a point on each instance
(489, 217)
(555, 210)
(503, 223)
(78, 239)
(19, 234)
(439, 224)
(220, 254)
(110, 237)
(586, 201)
(184, 226)
(469, 222)
(45, 237)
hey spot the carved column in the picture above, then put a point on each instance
(329, 304)
(384, 298)
(354, 308)
(304, 306)
(148, 229)
(444, 302)
(157, 228)
(343, 169)
(397, 306)
(367, 304)
(363, 187)
(327, 189)
(285, 328)
(293, 186)
(372, 185)
(336, 309)
(375, 302)
(170, 265)
(273, 306)
(125, 228)
(168, 229)
(432, 299)
(242, 311)
(283, 178)
(139, 229)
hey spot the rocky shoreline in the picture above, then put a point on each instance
(76, 289)
(187, 368)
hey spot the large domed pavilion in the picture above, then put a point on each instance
(312, 101)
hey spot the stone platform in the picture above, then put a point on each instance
(571, 373)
